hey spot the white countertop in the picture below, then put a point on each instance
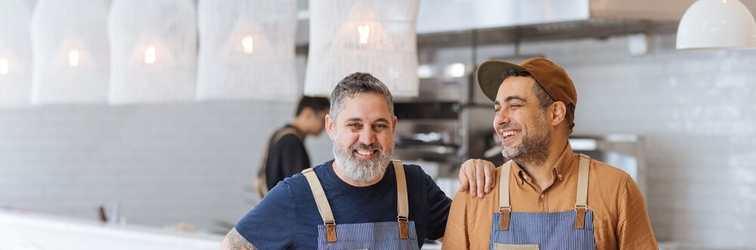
(29, 231)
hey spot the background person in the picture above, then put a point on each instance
(285, 153)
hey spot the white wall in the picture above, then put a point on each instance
(165, 164)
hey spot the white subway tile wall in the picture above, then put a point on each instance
(163, 164)
(167, 164)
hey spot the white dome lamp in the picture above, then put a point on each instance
(711, 24)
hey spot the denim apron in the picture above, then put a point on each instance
(560, 230)
(376, 235)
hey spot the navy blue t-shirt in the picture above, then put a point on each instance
(288, 218)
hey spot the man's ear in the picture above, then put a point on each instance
(558, 112)
(393, 123)
(329, 126)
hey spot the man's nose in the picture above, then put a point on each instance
(501, 118)
(367, 136)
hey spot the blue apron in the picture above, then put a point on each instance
(560, 230)
(377, 235)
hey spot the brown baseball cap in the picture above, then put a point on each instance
(552, 78)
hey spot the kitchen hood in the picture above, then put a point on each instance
(436, 16)
(449, 22)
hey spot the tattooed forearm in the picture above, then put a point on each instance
(234, 241)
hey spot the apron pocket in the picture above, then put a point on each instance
(499, 246)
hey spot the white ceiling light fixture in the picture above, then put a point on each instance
(153, 48)
(455, 70)
(247, 50)
(15, 53)
(373, 36)
(426, 71)
(711, 24)
(71, 55)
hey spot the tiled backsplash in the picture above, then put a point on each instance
(164, 164)
(174, 163)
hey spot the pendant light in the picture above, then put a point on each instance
(246, 50)
(710, 24)
(153, 46)
(71, 55)
(373, 36)
(15, 53)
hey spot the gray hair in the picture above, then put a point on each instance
(358, 83)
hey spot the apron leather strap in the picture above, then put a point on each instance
(402, 203)
(323, 207)
(504, 208)
(581, 202)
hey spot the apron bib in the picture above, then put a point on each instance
(376, 235)
(560, 230)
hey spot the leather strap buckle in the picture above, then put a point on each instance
(330, 231)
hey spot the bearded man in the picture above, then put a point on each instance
(547, 196)
(361, 199)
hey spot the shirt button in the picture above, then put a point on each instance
(543, 196)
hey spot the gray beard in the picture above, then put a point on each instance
(362, 171)
(534, 148)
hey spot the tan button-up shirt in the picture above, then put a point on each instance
(620, 217)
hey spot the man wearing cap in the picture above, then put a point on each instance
(546, 196)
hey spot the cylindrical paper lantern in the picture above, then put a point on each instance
(15, 53)
(374, 36)
(71, 56)
(247, 50)
(153, 46)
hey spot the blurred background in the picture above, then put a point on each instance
(76, 146)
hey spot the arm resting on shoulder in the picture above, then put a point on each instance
(477, 176)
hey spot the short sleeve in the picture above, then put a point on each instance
(270, 224)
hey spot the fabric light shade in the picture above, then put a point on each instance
(247, 50)
(153, 46)
(15, 53)
(71, 56)
(709, 24)
(374, 36)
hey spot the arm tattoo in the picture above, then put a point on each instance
(236, 241)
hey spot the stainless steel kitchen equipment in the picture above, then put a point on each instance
(442, 125)
(620, 150)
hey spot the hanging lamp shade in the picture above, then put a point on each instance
(716, 24)
(153, 46)
(374, 36)
(15, 53)
(247, 50)
(71, 56)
